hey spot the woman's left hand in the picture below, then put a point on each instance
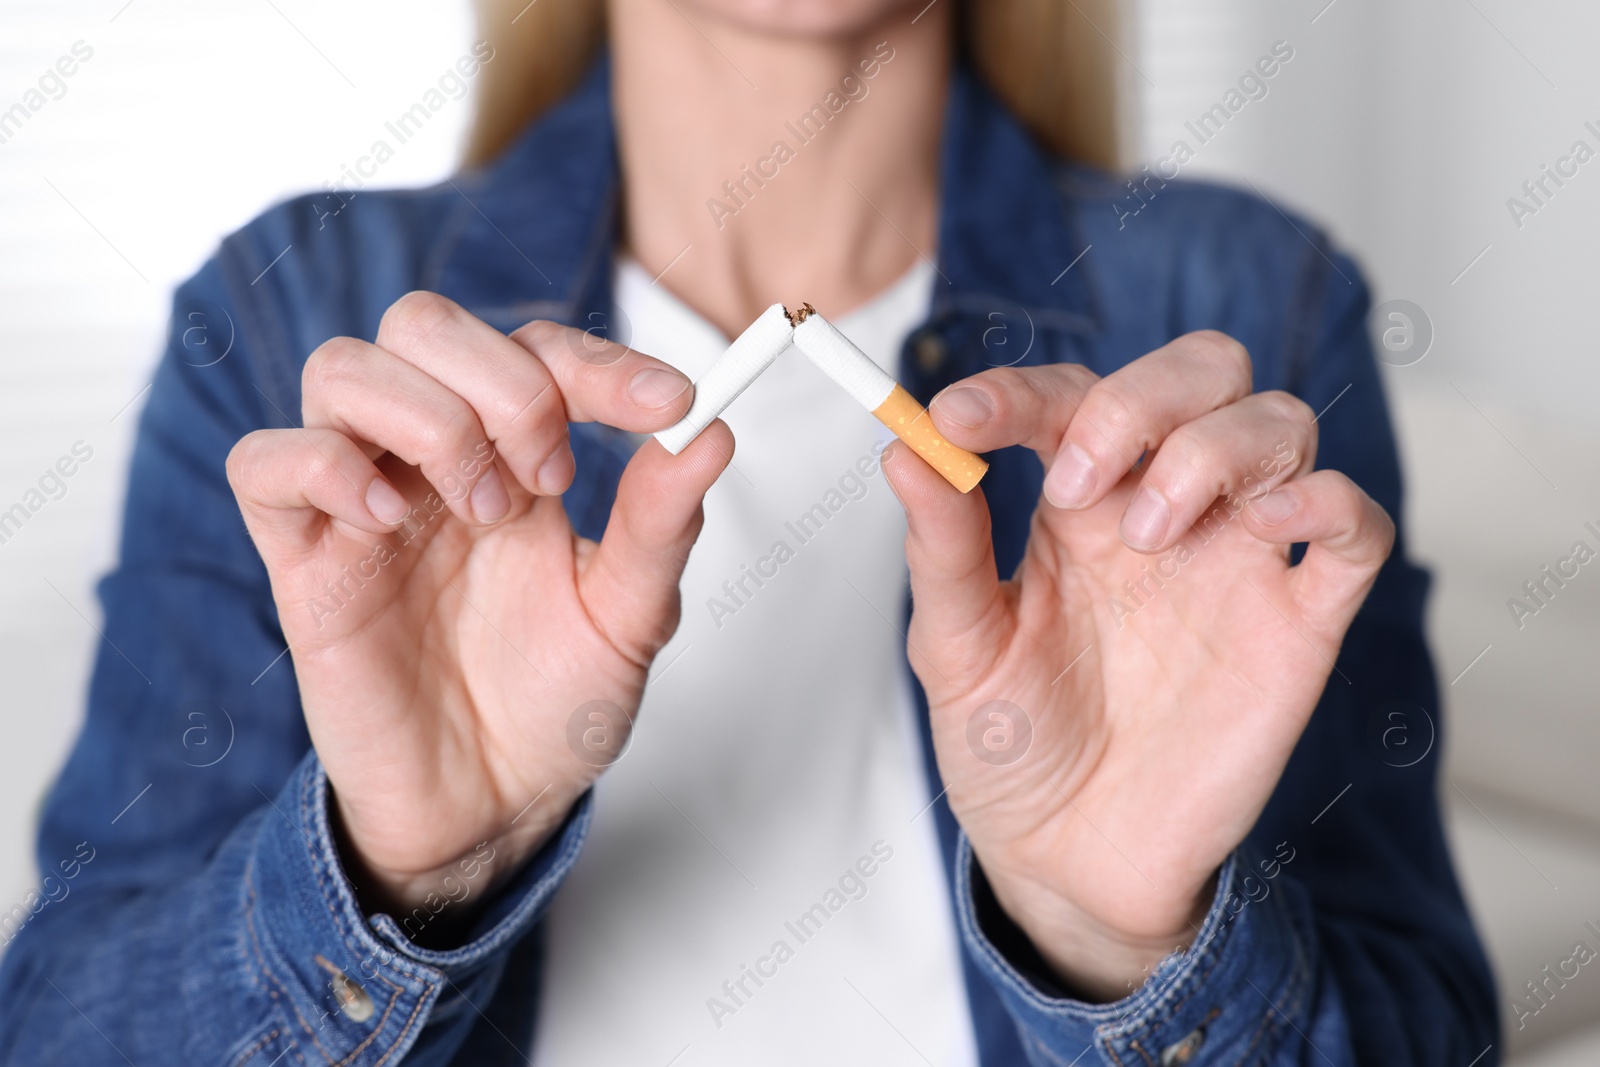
(1112, 720)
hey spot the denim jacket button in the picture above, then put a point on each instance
(930, 351)
(1182, 1052)
(353, 1000)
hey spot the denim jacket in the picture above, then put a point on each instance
(213, 924)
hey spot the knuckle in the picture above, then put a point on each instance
(318, 471)
(1186, 452)
(1076, 378)
(564, 354)
(433, 436)
(1352, 498)
(1367, 519)
(241, 457)
(1110, 410)
(1386, 532)
(416, 315)
(337, 359)
(458, 423)
(527, 412)
(537, 335)
(1289, 408)
(1002, 377)
(1223, 352)
(1367, 512)
(456, 456)
(537, 445)
(1003, 384)
(1054, 383)
(445, 427)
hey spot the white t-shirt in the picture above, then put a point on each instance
(762, 883)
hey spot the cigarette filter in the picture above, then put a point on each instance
(874, 389)
(750, 354)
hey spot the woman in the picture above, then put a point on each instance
(1152, 799)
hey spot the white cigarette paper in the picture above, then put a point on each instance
(851, 368)
(877, 391)
(750, 354)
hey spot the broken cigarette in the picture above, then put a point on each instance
(871, 386)
(751, 353)
(874, 389)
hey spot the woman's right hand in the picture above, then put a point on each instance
(468, 665)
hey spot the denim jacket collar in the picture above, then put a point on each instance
(536, 238)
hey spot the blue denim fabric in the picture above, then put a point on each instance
(208, 925)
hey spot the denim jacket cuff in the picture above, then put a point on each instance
(355, 987)
(1242, 983)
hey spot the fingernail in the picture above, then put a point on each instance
(552, 473)
(385, 503)
(489, 500)
(966, 405)
(1071, 479)
(1276, 506)
(654, 387)
(1145, 522)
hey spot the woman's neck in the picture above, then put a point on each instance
(759, 168)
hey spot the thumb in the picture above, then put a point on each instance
(949, 551)
(630, 584)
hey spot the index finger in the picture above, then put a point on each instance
(527, 387)
(1090, 433)
(602, 381)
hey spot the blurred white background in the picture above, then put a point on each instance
(1401, 126)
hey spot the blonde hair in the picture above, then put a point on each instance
(1051, 62)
